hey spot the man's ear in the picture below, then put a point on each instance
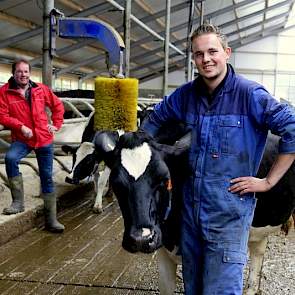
(228, 52)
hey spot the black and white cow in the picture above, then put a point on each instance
(85, 153)
(85, 159)
(85, 164)
(142, 171)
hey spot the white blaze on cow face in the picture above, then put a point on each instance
(136, 160)
(86, 148)
(146, 232)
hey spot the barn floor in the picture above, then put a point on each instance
(88, 259)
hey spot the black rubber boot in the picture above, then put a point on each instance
(17, 192)
(51, 223)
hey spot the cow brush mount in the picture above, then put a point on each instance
(115, 104)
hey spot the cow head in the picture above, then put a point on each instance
(85, 158)
(141, 181)
(83, 163)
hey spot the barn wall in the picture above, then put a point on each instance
(270, 61)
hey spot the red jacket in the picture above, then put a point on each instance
(16, 111)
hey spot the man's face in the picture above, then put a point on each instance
(209, 56)
(22, 74)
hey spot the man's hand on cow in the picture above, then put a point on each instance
(26, 131)
(249, 184)
(52, 129)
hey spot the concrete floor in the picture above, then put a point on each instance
(86, 259)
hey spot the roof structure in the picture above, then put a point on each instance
(244, 22)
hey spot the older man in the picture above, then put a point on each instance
(22, 110)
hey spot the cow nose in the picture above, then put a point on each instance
(71, 180)
(143, 240)
(142, 234)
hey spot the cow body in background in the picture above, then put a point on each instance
(141, 170)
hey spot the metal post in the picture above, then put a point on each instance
(80, 81)
(202, 12)
(47, 58)
(127, 26)
(188, 72)
(166, 50)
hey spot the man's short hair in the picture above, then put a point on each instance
(18, 61)
(207, 28)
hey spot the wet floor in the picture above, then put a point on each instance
(86, 259)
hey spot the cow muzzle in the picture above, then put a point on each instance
(143, 240)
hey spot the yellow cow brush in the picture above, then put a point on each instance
(115, 104)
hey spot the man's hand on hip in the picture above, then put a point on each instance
(26, 131)
(52, 129)
(249, 184)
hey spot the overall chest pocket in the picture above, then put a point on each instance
(230, 130)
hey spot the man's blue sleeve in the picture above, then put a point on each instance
(277, 117)
(169, 109)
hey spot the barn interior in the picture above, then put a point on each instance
(147, 40)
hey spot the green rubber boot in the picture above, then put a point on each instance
(51, 223)
(17, 192)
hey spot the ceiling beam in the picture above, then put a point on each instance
(285, 14)
(76, 65)
(38, 31)
(65, 50)
(162, 13)
(159, 72)
(196, 21)
(17, 21)
(271, 31)
(261, 11)
(222, 26)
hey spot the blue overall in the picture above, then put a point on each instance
(228, 140)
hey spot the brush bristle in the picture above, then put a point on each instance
(115, 104)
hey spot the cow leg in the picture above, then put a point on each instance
(257, 250)
(257, 245)
(100, 185)
(167, 272)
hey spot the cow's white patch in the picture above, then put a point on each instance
(146, 232)
(136, 160)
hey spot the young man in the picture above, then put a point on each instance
(22, 110)
(229, 117)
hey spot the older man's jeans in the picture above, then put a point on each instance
(18, 150)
